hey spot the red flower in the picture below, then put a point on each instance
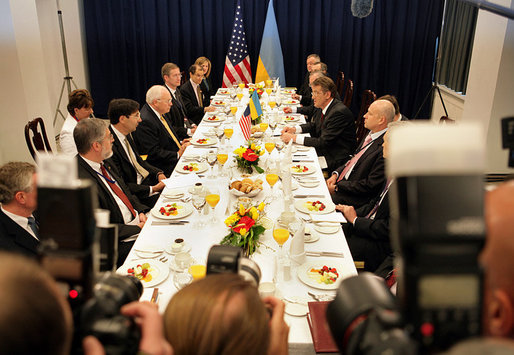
(250, 155)
(245, 222)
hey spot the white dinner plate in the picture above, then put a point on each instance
(303, 274)
(158, 270)
(296, 309)
(301, 148)
(204, 141)
(173, 193)
(288, 119)
(223, 92)
(184, 210)
(183, 168)
(219, 103)
(290, 102)
(310, 169)
(309, 184)
(302, 205)
(214, 118)
(148, 251)
(327, 228)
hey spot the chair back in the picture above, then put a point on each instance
(184, 77)
(348, 95)
(35, 135)
(368, 97)
(340, 83)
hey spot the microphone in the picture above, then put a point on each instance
(361, 8)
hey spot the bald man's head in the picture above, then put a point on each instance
(498, 261)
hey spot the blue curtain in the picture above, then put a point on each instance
(391, 51)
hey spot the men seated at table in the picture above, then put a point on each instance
(177, 116)
(308, 108)
(397, 115)
(80, 106)
(155, 135)
(304, 89)
(224, 314)
(143, 179)
(367, 230)
(362, 177)
(18, 196)
(332, 129)
(498, 262)
(94, 144)
(195, 100)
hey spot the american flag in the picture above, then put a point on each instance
(246, 123)
(237, 62)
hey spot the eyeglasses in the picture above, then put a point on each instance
(168, 101)
(316, 93)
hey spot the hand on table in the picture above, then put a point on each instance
(348, 212)
(159, 187)
(295, 96)
(184, 145)
(150, 322)
(286, 137)
(279, 330)
(142, 220)
(209, 109)
(289, 129)
(331, 183)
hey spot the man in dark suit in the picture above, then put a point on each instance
(195, 101)
(94, 145)
(18, 195)
(332, 128)
(304, 89)
(308, 108)
(155, 135)
(143, 179)
(367, 230)
(362, 177)
(177, 116)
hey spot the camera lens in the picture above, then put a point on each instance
(121, 289)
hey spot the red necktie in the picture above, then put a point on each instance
(355, 158)
(117, 190)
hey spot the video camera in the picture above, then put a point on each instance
(70, 252)
(437, 232)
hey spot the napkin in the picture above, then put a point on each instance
(331, 217)
(181, 181)
(297, 249)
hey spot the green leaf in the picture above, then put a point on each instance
(259, 169)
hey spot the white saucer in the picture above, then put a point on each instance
(309, 184)
(186, 248)
(327, 228)
(296, 309)
(153, 252)
(311, 237)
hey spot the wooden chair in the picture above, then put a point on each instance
(183, 78)
(340, 83)
(348, 95)
(35, 135)
(368, 97)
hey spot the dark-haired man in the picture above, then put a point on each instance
(195, 100)
(143, 179)
(332, 128)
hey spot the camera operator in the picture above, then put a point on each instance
(224, 314)
(35, 318)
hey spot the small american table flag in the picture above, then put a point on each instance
(237, 62)
(246, 123)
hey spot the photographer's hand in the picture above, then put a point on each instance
(279, 330)
(150, 321)
(92, 346)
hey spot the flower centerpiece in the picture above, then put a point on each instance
(245, 228)
(247, 157)
(260, 91)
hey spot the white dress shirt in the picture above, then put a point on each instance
(66, 140)
(23, 222)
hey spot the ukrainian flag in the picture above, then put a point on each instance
(271, 61)
(255, 106)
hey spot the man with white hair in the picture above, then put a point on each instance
(155, 135)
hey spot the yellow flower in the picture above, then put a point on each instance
(254, 213)
(261, 206)
(243, 231)
(261, 152)
(242, 210)
(239, 151)
(232, 219)
(252, 146)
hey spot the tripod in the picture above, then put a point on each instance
(67, 80)
(429, 94)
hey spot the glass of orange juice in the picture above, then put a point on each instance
(269, 144)
(269, 91)
(269, 83)
(241, 85)
(222, 159)
(229, 131)
(239, 96)
(272, 178)
(212, 198)
(272, 103)
(280, 234)
(263, 126)
(197, 271)
(233, 110)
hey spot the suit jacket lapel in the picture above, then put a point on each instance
(19, 235)
(119, 147)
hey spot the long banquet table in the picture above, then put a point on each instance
(162, 236)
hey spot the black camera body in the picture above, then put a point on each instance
(70, 252)
(229, 259)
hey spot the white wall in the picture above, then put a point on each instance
(32, 68)
(489, 96)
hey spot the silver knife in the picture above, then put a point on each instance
(303, 161)
(168, 223)
(324, 253)
(307, 196)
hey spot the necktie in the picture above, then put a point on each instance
(355, 158)
(199, 93)
(379, 201)
(322, 117)
(117, 190)
(170, 132)
(142, 171)
(33, 226)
